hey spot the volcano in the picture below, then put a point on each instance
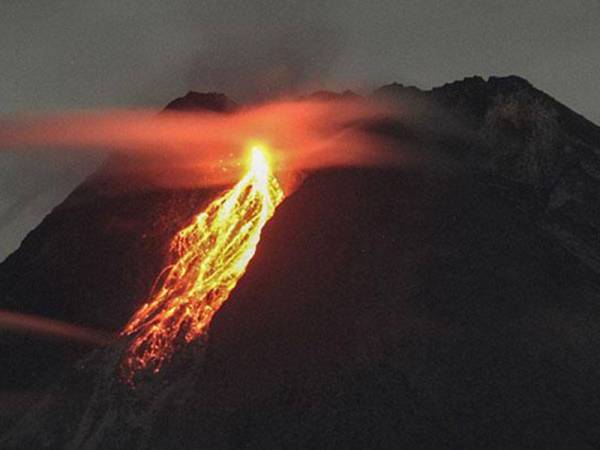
(449, 303)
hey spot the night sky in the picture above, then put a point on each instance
(70, 54)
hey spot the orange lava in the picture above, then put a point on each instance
(210, 255)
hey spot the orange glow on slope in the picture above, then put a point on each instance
(210, 255)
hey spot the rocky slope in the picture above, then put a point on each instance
(450, 304)
(92, 260)
(531, 143)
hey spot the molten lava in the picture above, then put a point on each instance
(209, 257)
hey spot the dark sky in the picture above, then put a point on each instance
(64, 54)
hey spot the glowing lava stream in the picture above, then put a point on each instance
(210, 255)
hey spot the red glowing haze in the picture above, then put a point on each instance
(198, 148)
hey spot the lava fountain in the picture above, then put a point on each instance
(209, 256)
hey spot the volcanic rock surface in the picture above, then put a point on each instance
(453, 303)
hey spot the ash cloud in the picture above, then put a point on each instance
(196, 149)
(251, 65)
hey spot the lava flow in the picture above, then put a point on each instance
(209, 257)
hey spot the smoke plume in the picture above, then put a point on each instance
(201, 148)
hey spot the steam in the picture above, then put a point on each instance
(30, 324)
(201, 148)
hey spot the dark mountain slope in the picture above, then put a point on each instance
(93, 259)
(437, 317)
(531, 146)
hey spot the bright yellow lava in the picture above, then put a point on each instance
(209, 257)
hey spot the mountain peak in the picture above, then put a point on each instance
(202, 101)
